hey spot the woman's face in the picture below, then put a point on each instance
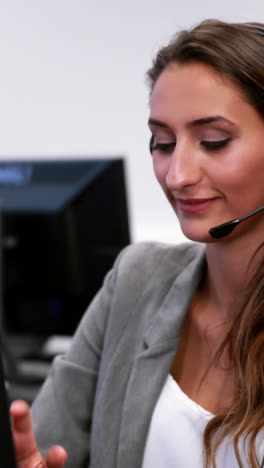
(208, 150)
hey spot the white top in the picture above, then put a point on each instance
(175, 437)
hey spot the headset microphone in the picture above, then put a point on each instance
(224, 229)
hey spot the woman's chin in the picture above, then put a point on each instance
(196, 235)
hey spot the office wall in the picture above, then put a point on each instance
(72, 83)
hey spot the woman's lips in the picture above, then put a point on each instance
(194, 205)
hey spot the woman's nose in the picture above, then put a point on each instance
(184, 169)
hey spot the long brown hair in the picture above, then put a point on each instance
(235, 50)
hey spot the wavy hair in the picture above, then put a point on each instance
(234, 50)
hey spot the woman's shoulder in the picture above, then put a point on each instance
(155, 263)
(146, 256)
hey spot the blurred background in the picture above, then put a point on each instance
(72, 84)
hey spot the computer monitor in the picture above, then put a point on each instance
(63, 223)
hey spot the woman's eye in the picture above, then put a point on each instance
(164, 147)
(215, 145)
(161, 147)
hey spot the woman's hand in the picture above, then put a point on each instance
(27, 453)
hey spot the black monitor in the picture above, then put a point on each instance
(64, 222)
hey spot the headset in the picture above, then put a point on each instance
(224, 229)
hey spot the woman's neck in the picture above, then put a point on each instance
(230, 267)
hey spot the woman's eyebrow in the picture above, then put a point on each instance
(157, 123)
(193, 123)
(208, 120)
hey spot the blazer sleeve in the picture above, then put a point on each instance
(62, 412)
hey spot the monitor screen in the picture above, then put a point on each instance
(63, 224)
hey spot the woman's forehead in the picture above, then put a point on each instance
(195, 90)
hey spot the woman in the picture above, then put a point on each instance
(166, 368)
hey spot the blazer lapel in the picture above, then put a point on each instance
(152, 365)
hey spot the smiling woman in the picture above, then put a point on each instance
(206, 120)
(166, 366)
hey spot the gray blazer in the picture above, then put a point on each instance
(98, 399)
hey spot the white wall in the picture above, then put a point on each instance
(72, 83)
